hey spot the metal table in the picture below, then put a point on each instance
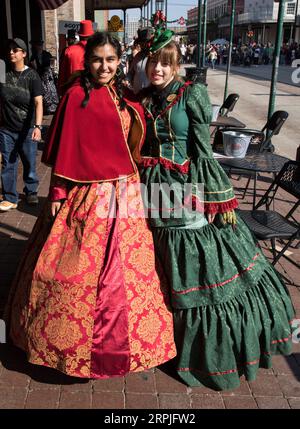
(263, 162)
(227, 121)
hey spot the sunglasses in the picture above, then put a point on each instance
(15, 50)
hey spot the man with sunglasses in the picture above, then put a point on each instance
(21, 104)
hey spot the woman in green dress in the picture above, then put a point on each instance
(232, 311)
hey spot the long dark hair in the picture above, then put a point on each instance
(86, 81)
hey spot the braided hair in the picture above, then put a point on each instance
(86, 81)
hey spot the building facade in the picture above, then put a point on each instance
(255, 20)
(101, 18)
(19, 18)
(192, 24)
(24, 19)
(132, 26)
(261, 18)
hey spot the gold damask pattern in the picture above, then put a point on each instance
(52, 305)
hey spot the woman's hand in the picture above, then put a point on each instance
(210, 217)
(54, 207)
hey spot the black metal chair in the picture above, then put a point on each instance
(229, 104)
(261, 142)
(226, 108)
(270, 224)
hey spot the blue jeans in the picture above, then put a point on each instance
(12, 145)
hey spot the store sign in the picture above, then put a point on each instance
(64, 26)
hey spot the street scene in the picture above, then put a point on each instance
(149, 213)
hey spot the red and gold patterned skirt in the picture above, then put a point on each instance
(87, 299)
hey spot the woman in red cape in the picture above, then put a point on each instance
(87, 299)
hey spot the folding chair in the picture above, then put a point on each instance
(261, 140)
(270, 224)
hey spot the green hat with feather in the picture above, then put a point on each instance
(162, 36)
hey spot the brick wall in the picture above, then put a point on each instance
(51, 19)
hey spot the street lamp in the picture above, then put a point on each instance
(159, 4)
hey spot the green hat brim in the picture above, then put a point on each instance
(161, 41)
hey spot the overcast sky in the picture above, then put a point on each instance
(176, 9)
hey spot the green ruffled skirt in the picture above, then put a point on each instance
(232, 311)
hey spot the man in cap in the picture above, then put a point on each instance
(21, 104)
(73, 58)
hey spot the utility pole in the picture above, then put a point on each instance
(276, 57)
(233, 4)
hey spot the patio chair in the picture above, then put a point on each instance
(260, 142)
(226, 108)
(229, 104)
(270, 224)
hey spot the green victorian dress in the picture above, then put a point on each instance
(231, 310)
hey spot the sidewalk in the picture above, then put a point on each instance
(23, 385)
(263, 72)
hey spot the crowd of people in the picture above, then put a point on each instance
(251, 54)
(121, 275)
(245, 54)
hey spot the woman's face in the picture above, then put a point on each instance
(104, 63)
(159, 73)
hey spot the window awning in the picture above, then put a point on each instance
(119, 4)
(50, 4)
(98, 4)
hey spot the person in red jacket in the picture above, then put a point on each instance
(88, 299)
(73, 58)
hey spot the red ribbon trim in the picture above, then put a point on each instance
(223, 207)
(151, 162)
(178, 97)
(194, 289)
(229, 371)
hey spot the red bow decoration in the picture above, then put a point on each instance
(159, 17)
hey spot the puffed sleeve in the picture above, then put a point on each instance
(58, 189)
(204, 169)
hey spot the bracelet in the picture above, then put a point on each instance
(38, 126)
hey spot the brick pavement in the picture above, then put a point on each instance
(23, 385)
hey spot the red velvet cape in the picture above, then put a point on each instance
(87, 144)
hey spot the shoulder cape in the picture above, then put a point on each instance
(88, 144)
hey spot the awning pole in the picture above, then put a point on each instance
(166, 9)
(233, 3)
(125, 23)
(204, 32)
(199, 39)
(276, 58)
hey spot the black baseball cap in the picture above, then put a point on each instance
(19, 42)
